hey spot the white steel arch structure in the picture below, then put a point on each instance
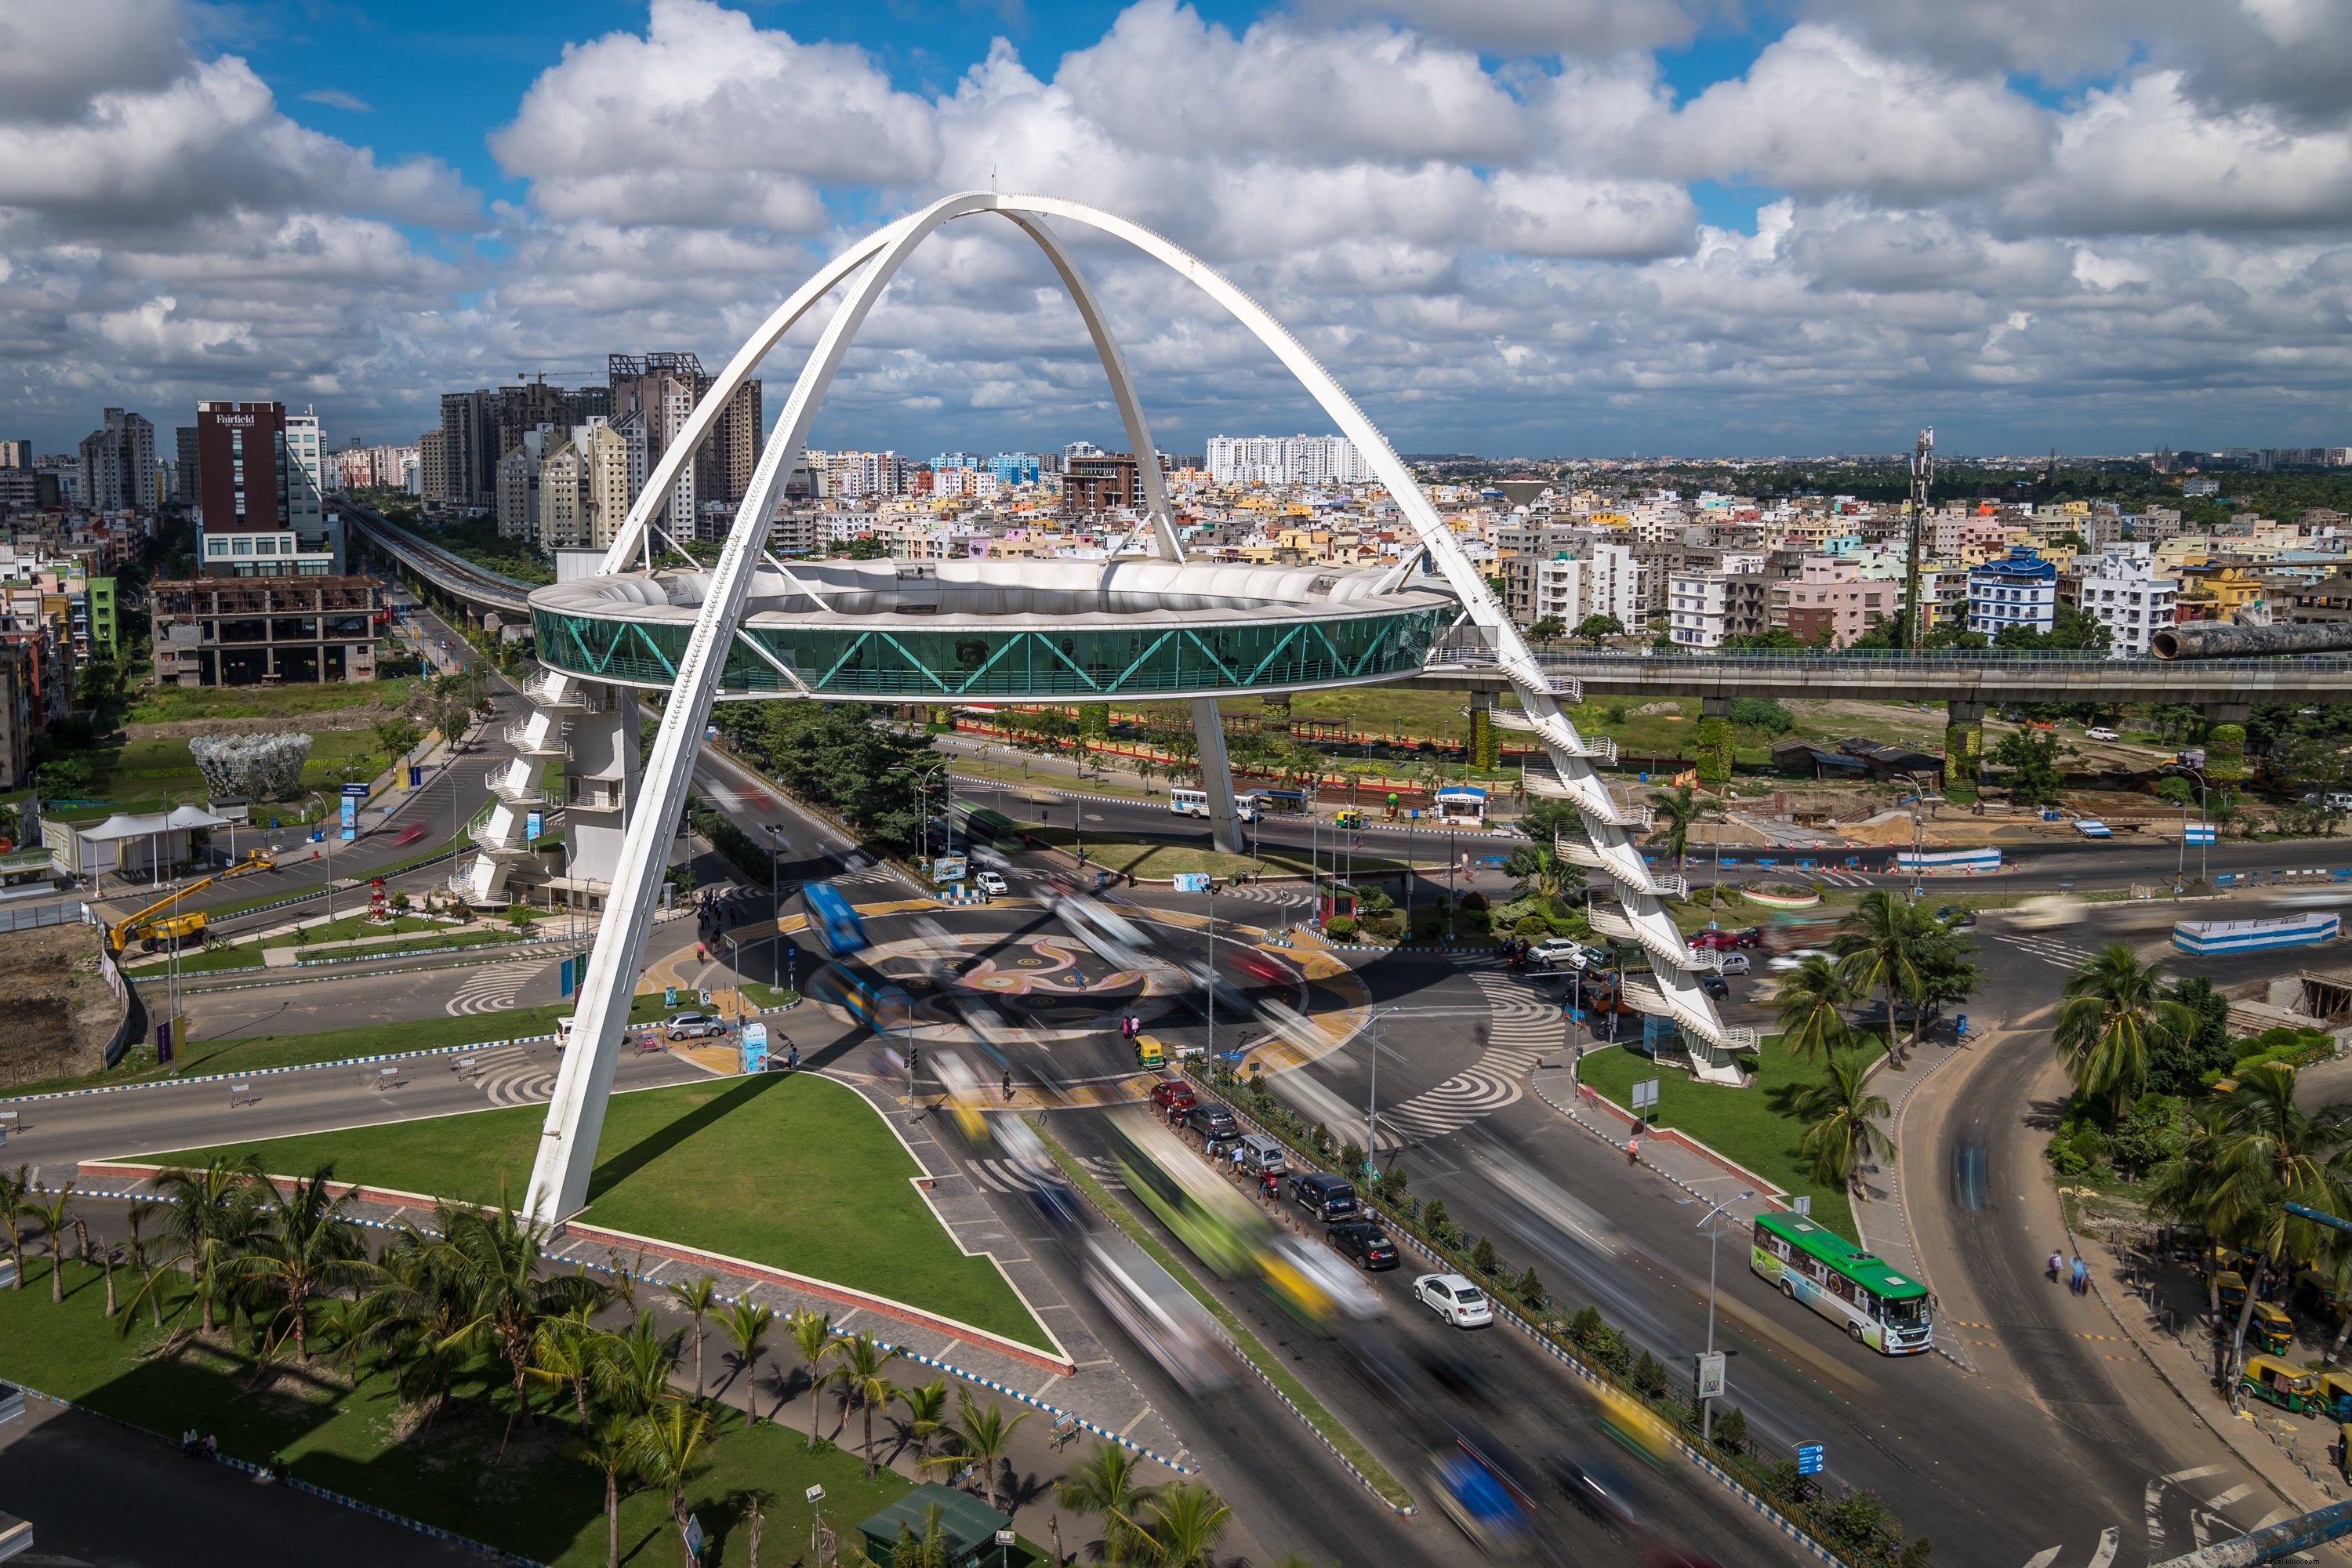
(566, 1157)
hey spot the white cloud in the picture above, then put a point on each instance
(336, 98)
(1532, 27)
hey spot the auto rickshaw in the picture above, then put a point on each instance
(2271, 1329)
(2233, 1289)
(2269, 1379)
(2344, 1449)
(2335, 1394)
(1149, 1053)
(1348, 819)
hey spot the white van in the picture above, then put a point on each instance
(562, 1033)
(1195, 803)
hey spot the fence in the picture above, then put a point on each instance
(45, 915)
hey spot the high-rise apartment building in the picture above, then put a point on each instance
(480, 427)
(118, 464)
(583, 489)
(1286, 460)
(254, 490)
(190, 466)
(519, 477)
(17, 457)
(2124, 593)
(306, 476)
(2021, 589)
(652, 397)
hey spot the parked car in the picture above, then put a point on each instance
(2100, 732)
(1174, 1096)
(1326, 1197)
(1454, 1299)
(1560, 953)
(1211, 1119)
(991, 884)
(692, 1025)
(1262, 1153)
(1957, 917)
(1714, 985)
(1364, 1244)
(1735, 962)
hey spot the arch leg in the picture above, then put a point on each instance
(1216, 775)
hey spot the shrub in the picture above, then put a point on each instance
(1385, 926)
(1731, 1430)
(1340, 928)
(1529, 1289)
(1473, 900)
(1762, 713)
(1484, 1260)
(1649, 1377)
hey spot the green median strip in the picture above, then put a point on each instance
(1267, 1363)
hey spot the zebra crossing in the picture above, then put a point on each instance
(492, 989)
(2048, 949)
(508, 1076)
(1008, 1177)
(1522, 1032)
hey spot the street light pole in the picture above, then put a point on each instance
(1707, 1406)
(1372, 1100)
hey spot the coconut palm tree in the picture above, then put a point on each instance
(980, 1435)
(138, 1253)
(927, 1417)
(1885, 947)
(747, 1324)
(610, 1447)
(216, 1214)
(1841, 1117)
(1103, 1484)
(666, 1446)
(1182, 1524)
(863, 1359)
(1812, 999)
(490, 1261)
(698, 1298)
(632, 1368)
(308, 1247)
(567, 1351)
(2112, 1018)
(1677, 813)
(14, 1186)
(55, 1217)
(812, 1336)
(2271, 1154)
(932, 1549)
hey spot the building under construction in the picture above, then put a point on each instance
(264, 631)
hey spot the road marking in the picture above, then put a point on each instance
(2199, 1474)
(2109, 1539)
(2152, 1508)
(2218, 1503)
(2043, 1558)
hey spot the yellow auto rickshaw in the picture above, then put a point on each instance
(1149, 1053)
(2344, 1449)
(2270, 1327)
(2233, 1289)
(1348, 819)
(2335, 1394)
(2269, 1379)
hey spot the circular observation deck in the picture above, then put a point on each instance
(1006, 630)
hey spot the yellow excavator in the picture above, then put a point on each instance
(177, 928)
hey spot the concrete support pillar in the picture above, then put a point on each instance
(2225, 742)
(1963, 744)
(1715, 707)
(1216, 775)
(600, 785)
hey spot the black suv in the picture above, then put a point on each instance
(1326, 1197)
(1365, 1244)
(1211, 1119)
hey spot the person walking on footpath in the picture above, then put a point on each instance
(2081, 1275)
(1633, 1148)
(2057, 1261)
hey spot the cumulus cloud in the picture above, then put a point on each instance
(336, 98)
(1532, 27)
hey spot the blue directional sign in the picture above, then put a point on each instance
(2201, 832)
(1809, 1459)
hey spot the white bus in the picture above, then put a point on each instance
(1195, 803)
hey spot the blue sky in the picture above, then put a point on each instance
(1507, 226)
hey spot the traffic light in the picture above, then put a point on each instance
(914, 1060)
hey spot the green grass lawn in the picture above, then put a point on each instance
(534, 1501)
(165, 704)
(1154, 857)
(1742, 1124)
(796, 1172)
(201, 1055)
(144, 774)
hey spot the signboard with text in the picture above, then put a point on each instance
(950, 868)
(1710, 1374)
(1192, 881)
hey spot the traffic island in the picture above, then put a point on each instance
(789, 1173)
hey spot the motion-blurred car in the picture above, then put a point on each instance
(1724, 940)
(1958, 917)
(1365, 1245)
(410, 834)
(1598, 1490)
(1786, 962)
(1454, 1299)
(1261, 966)
(692, 1026)
(1478, 1501)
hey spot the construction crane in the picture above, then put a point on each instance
(177, 927)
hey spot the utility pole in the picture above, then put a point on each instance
(1922, 463)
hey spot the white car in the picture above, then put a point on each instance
(991, 884)
(1455, 1300)
(2100, 732)
(1787, 963)
(1559, 952)
(1734, 963)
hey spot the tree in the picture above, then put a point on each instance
(980, 1435)
(1812, 999)
(1103, 1484)
(2178, 1062)
(2273, 1152)
(1889, 945)
(2112, 1018)
(492, 1262)
(398, 735)
(214, 1214)
(1546, 628)
(666, 1446)
(1842, 1118)
(863, 1359)
(14, 1188)
(697, 1299)
(927, 1417)
(1183, 1523)
(53, 1226)
(747, 1324)
(610, 1447)
(1593, 629)
(1677, 811)
(812, 1336)
(632, 1369)
(2032, 758)
(308, 1247)
(567, 1351)
(1537, 871)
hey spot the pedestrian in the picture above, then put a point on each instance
(2082, 1275)
(1008, 1086)
(212, 1448)
(1237, 1159)
(2056, 1263)
(1633, 1150)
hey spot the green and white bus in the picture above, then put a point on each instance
(1876, 1306)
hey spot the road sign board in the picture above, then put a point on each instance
(532, 824)
(670, 996)
(706, 998)
(2202, 833)
(356, 789)
(1710, 1374)
(564, 982)
(949, 868)
(1192, 881)
(1809, 1459)
(1645, 1095)
(1803, 1205)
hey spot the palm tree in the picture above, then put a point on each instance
(631, 1369)
(747, 1324)
(1676, 813)
(697, 1299)
(927, 1417)
(567, 1351)
(13, 1185)
(1812, 999)
(932, 1549)
(1182, 1524)
(414, 1318)
(106, 1257)
(1842, 1118)
(665, 1447)
(863, 1359)
(2271, 1154)
(980, 1435)
(491, 1261)
(1103, 1484)
(1882, 947)
(54, 1221)
(308, 1247)
(2112, 1016)
(610, 1447)
(216, 1214)
(812, 1336)
(136, 1254)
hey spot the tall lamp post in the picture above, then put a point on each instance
(2180, 866)
(776, 903)
(1373, 1099)
(1707, 1406)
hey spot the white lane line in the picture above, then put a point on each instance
(2199, 1474)
(2043, 1558)
(2218, 1503)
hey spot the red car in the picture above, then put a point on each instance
(1724, 940)
(1263, 966)
(409, 835)
(1174, 1096)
